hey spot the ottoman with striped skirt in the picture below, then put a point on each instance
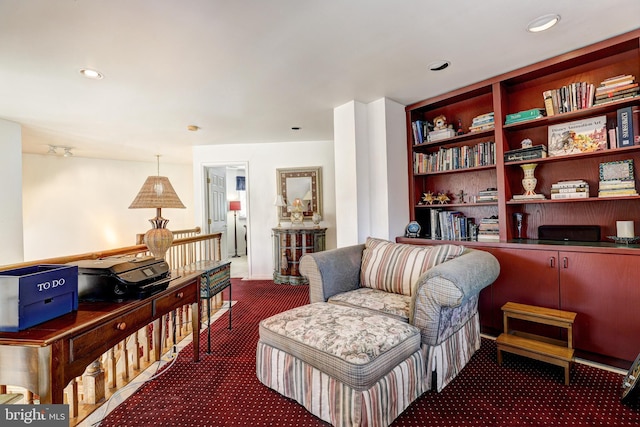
(345, 365)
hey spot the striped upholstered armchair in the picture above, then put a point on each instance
(434, 288)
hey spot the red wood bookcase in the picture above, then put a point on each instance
(575, 276)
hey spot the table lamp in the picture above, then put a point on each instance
(279, 203)
(157, 192)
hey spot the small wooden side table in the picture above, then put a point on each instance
(537, 347)
(215, 278)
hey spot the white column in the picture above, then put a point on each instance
(370, 171)
(12, 248)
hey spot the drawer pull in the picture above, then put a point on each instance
(179, 294)
(121, 326)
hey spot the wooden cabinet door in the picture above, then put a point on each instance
(527, 277)
(604, 290)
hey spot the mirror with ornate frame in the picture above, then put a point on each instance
(304, 184)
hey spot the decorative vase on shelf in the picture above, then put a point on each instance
(529, 183)
(519, 220)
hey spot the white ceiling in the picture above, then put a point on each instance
(249, 70)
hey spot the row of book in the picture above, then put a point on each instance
(616, 88)
(451, 225)
(488, 195)
(574, 189)
(482, 154)
(488, 230)
(571, 97)
(617, 179)
(482, 122)
(420, 130)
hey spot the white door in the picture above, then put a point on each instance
(216, 200)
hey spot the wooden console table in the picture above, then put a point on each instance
(289, 245)
(46, 357)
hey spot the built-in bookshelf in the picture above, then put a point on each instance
(443, 166)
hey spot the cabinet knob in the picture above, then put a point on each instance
(565, 262)
(179, 295)
(552, 262)
(121, 326)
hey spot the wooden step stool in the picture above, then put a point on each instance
(537, 347)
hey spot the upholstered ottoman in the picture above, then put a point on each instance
(345, 365)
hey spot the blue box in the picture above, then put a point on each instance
(35, 294)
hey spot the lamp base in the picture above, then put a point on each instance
(159, 238)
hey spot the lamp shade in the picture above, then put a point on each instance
(308, 196)
(157, 192)
(279, 201)
(234, 205)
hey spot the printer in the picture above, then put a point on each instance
(121, 278)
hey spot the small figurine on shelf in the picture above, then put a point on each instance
(460, 196)
(459, 131)
(526, 143)
(443, 198)
(440, 123)
(428, 198)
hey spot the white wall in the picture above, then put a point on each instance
(11, 250)
(262, 160)
(76, 205)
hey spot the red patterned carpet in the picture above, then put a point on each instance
(222, 390)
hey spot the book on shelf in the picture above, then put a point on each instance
(618, 80)
(615, 98)
(628, 126)
(570, 190)
(618, 193)
(606, 95)
(524, 116)
(605, 91)
(572, 195)
(534, 152)
(576, 183)
(580, 136)
(437, 135)
(608, 185)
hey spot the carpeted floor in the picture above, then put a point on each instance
(222, 390)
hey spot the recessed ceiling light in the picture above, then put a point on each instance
(543, 23)
(193, 128)
(91, 74)
(439, 65)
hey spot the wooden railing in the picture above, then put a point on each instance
(182, 252)
(177, 234)
(120, 365)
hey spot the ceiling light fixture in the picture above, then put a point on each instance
(295, 128)
(52, 150)
(67, 151)
(543, 23)
(91, 74)
(439, 65)
(193, 128)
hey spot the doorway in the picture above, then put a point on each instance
(227, 212)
